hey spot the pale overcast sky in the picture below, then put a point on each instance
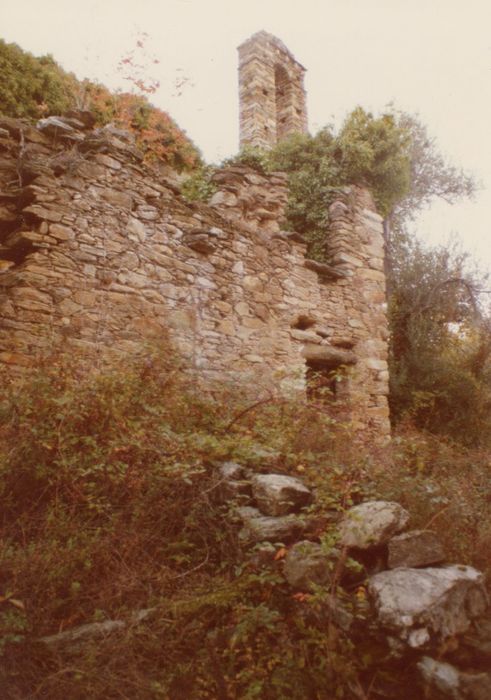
(430, 57)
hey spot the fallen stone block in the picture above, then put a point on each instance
(307, 564)
(279, 494)
(415, 548)
(262, 528)
(423, 606)
(372, 523)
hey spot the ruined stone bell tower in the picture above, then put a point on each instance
(271, 92)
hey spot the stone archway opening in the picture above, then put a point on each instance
(283, 101)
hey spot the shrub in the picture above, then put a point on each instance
(32, 87)
(108, 502)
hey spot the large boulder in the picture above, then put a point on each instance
(306, 564)
(372, 523)
(262, 528)
(421, 606)
(415, 548)
(278, 494)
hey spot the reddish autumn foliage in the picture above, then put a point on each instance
(156, 133)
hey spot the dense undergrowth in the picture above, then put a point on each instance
(108, 503)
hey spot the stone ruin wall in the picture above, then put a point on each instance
(98, 251)
(271, 92)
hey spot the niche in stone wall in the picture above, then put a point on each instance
(283, 100)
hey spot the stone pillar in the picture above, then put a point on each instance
(271, 92)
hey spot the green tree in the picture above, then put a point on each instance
(32, 87)
(431, 176)
(440, 358)
(440, 339)
(370, 151)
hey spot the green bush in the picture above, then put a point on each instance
(32, 87)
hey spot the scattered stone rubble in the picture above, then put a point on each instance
(419, 610)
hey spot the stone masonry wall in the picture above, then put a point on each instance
(97, 251)
(271, 93)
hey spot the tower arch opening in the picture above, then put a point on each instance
(283, 101)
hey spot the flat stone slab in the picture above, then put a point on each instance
(263, 528)
(278, 494)
(306, 564)
(420, 606)
(76, 637)
(372, 523)
(415, 548)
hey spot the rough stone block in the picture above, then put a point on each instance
(415, 548)
(278, 494)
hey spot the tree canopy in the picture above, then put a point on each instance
(440, 352)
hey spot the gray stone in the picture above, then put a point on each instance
(372, 523)
(231, 470)
(428, 605)
(278, 494)
(74, 638)
(84, 117)
(223, 198)
(453, 683)
(440, 676)
(55, 126)
(305, 564)
(261, 528)
(143, 615)
(415, 548)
